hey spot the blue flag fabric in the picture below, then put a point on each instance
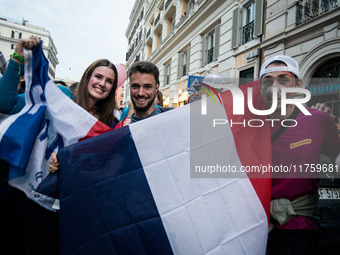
(18, 140)
(131, 217)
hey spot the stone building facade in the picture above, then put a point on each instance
(233, 39)
(12, 31)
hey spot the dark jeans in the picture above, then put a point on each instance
(26, 228)
(291, 242)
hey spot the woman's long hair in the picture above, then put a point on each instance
(105, 107)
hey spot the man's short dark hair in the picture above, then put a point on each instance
(145, 67)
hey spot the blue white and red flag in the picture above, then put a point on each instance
(49, 121)
(129, 191)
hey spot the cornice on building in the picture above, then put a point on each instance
(8, 39)
(313, 28)
(48, 46)
(24, 28)
(136, 51)
(134, 15)
(150, 11)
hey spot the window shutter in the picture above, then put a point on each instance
(258, 17)
(169, 72)
(217, 41)
(205, 50)
(165, 73)
(188, 60)
(179, 66)
(172, 27)
(191, 5)
(235, 42)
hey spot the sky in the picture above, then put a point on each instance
(82, 30)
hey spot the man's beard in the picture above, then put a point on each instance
(144, 108)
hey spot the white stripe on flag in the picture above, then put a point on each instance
(69, 119)
(200, 215)
(28, 75)
(8, 121)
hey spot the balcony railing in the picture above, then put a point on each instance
(248, 32)
(157, 19)
(167, 79)
(309, 9)
(169, 9)
(167, 4)
(211, 55)
(182, 19)
(184, 69)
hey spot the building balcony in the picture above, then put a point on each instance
(158, 23)
(182, 19)
(248, 33)
(184, 69)
(310, 9)
(133, 51)
(148, 33)
(148, 37)
(157, 19)
(211, 55)
(167, 4)
(169, 8)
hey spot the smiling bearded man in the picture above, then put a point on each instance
(144, 84)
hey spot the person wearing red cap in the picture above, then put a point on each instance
(294, 195)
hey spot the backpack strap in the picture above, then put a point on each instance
(165, 109)
(281, 129)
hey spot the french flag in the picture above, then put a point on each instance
(49, 121)
(131, 190)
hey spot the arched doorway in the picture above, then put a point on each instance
(324, 85)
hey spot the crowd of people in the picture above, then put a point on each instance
(294, 207)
